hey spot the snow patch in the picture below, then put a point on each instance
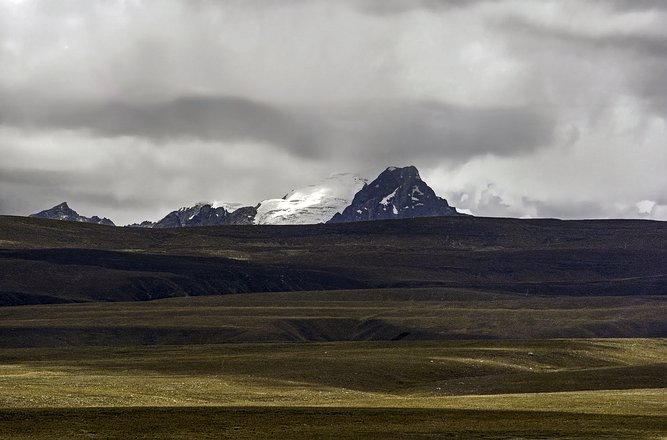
(312, 204)
(229, 206)
(386, 200)
(417, 191)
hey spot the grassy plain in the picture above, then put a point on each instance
(586, 388)
(353, 315)
(319, 423)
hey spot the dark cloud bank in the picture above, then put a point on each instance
(130, 109)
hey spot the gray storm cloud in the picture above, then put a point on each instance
(129, 109)
(206, 118)
(429, 129)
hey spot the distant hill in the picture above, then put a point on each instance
(45, 261)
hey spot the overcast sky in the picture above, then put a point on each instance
(130, 109)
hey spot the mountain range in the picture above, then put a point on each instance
(341, 198)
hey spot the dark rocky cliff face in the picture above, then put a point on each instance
(198, 215)
(242, 216)
(204, 214)
(396, 193)
(65, 213)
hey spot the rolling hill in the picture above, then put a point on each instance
(45, 261)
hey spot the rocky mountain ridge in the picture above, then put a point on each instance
(65, 213)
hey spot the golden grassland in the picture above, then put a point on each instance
(449, 374)
(617, 385)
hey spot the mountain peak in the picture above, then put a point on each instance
(396, 193)
(401, 173)
(201, 214)
(63, 212)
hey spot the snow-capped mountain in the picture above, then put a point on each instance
(311, 204)
(396, 193)
(64, 212)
